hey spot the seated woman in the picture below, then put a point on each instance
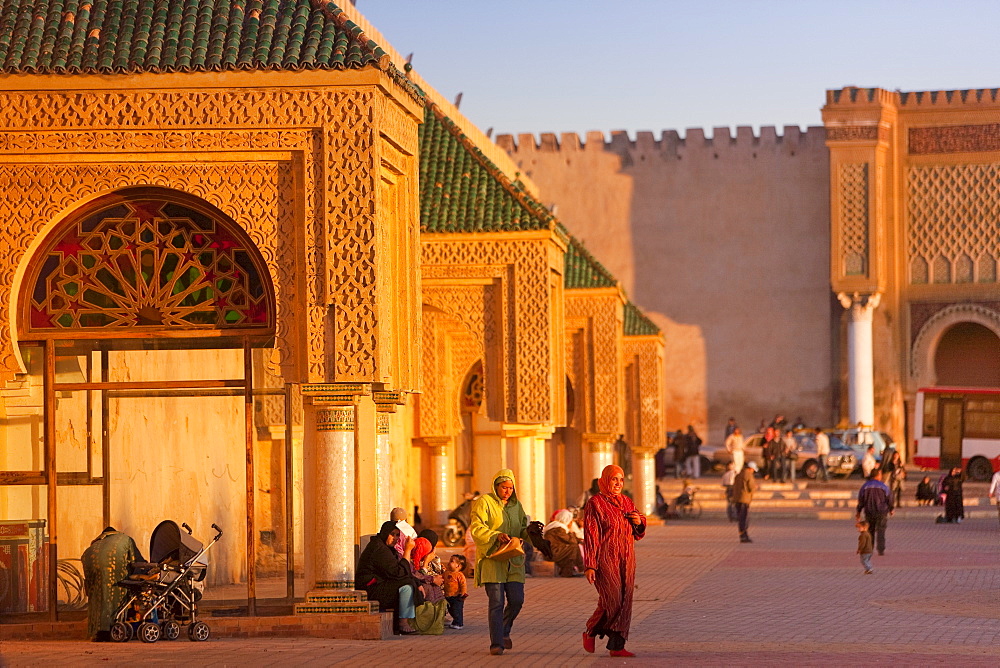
(389, 579)
(926, 492)
(425, 562)
(564, 543)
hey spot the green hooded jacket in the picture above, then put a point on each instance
(490, 518)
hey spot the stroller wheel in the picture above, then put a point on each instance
(149, 632)
(171, 630)
(121, 632)
(199, 632)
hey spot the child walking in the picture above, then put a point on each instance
(865, 546)
(455, 591)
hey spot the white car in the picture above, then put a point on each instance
(841, 461)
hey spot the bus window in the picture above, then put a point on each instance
(930, 415)
(982, 417)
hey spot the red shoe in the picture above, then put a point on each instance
(588, 642)
(621, 652)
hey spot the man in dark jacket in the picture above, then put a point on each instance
(742, 494)
(875, 500)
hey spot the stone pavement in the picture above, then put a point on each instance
(795, 596)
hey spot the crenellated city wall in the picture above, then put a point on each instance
(724, 241)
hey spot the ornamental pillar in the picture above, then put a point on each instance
(599, 450)
(644, 480)
(385, 406)
(328, 461)
(442, 478)
(860, 368)
(530, 466)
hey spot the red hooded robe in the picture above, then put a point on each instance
(609, 548)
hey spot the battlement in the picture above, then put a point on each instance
(854, 95)
(670, 141)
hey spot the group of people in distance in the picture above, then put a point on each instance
(403, 573)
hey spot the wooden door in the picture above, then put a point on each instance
(951, 432)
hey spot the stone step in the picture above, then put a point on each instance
(337, 607)
(336, 596)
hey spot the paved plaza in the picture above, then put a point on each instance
(795, 596)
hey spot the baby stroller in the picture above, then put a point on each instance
(161, 592)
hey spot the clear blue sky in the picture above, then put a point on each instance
(561, 65)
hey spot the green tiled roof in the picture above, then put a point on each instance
(131, 36)
(636, 322)
(461, 190)
(582, 270)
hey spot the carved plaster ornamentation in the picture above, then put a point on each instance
(247, 192)
(525, 318)
(334, 127)
(954, 211)
(954, 139)
(645, 353)
(854, 219)
(856, 133)
(602, 315)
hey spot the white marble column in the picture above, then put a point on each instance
(441, 499)
(860, 371)
(383, 467)
(539, 479)
(601, 452)
(644, 480)
(524, 473)
(330, 503)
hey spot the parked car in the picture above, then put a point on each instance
(859, 440)
(841, 461)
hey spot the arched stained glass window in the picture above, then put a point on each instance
(151, 260)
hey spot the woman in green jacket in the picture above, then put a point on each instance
(496, 518)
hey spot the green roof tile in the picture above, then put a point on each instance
(582, 270)
(636, 322)
(461, 190)
(131, 36)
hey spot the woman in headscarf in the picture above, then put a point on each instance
(496, 518)
(422, 559)
(387, 578)
(565, 545)
(954, 501)
(611, 527)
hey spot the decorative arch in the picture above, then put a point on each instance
(924, 346)
(149, 261)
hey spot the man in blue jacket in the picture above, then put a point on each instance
(875, 500)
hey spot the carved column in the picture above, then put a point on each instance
(328, 460)
(860, 368)
(644, 480)
(600, 450)
(442, 478)
(385, 405)
(530, 466)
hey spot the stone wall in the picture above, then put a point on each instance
(724, 242)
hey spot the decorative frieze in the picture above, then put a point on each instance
(954, 139)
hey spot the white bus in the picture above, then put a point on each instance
(958, 426)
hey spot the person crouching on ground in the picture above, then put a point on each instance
(865, 546)
(611, 527)
(496, 518)
(565, 545)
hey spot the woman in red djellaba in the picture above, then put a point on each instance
(611, 527)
